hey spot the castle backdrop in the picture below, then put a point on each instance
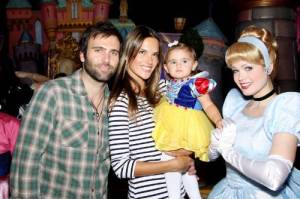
(38, 39)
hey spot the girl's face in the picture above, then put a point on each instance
(251, 78)
(145, 61)
(180, 63)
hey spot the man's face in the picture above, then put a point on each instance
(102, 57)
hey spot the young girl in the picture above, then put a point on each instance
(180, 120)
(133, 96)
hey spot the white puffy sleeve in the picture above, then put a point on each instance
(283, 115)
(233, 102)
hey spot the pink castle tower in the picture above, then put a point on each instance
(101, 10)
(18, 16)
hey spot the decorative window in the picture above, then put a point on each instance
(38, 32)
(74, 10)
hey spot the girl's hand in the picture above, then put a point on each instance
(219, 124)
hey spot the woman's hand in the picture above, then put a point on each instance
(227, 136)
(179, 152)
(213, 152)
(186, 163)
(183, 164)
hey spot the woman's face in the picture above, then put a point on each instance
(145, 61)
(252, 79)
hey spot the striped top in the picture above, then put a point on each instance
(130, 140)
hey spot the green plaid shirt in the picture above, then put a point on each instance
(62, 150)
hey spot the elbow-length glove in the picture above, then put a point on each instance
(221, 139)
(271, 172)
(213, 152)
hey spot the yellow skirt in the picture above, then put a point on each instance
(177, 127)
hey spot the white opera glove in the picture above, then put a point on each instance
(221, 139)
(213, 152)
(227, 136)
(271, 172)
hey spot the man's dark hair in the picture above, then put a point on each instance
(106, 29)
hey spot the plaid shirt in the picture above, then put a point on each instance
(62, 149)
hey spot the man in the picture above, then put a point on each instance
(62, 149)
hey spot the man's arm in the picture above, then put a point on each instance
(36, 126)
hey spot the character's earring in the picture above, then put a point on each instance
(267, 70)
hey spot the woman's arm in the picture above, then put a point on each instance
(284, 145)
(271, 172)
(281, 123)
(122, 163)
(178, 164)
(211, 110)
(118, 129)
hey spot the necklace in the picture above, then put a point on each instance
(96, 107)
(265, 96)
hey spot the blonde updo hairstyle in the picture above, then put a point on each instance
(248, 52)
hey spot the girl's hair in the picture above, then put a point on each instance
(182, 46)
(248, 52)
(123, 80)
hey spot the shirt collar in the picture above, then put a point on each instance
(78, 86)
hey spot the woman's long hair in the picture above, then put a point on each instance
(123, 81)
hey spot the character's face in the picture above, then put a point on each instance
(102, 57)
(180, 64)
(251, 78)
(146, 60)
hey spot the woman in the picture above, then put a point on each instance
(134, 94)
(259, 141)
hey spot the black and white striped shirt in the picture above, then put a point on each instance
(130, 140)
